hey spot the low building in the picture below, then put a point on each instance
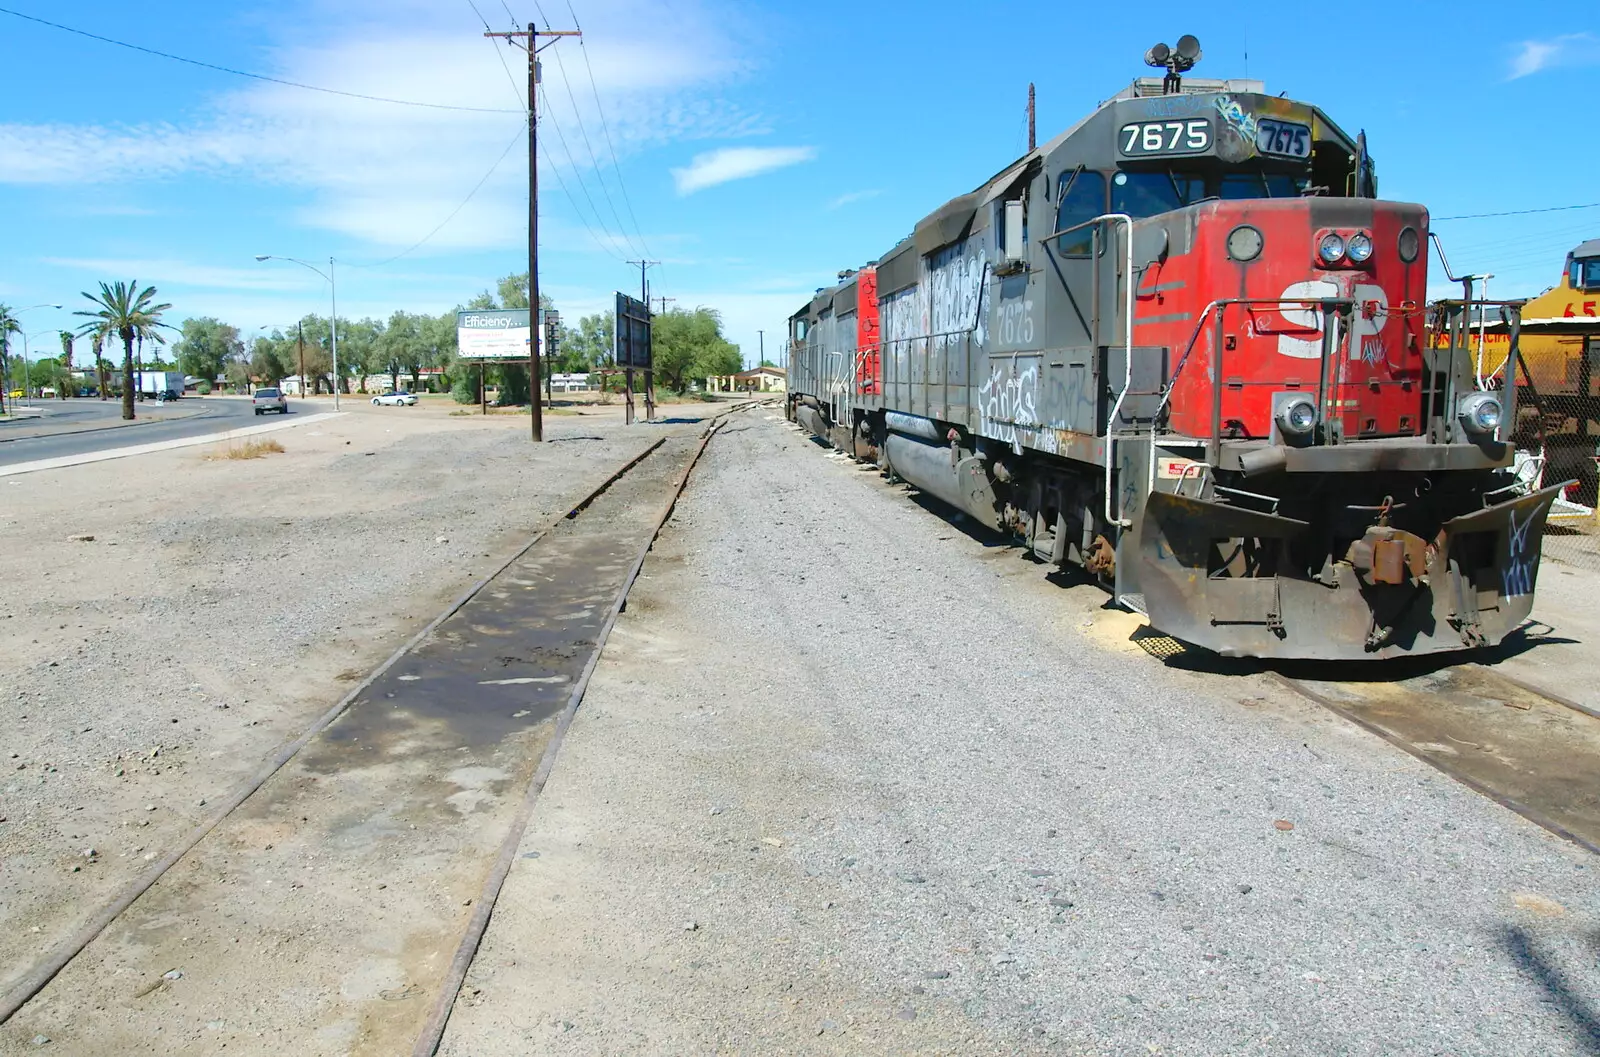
(758, 380)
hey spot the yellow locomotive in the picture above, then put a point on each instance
(1558, 376)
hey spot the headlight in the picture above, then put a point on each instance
(1481, 412)
(1331, 250)
(1296, 418)
(1408, 244)
(1359, 248)
(1244, 243)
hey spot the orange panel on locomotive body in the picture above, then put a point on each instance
(1182, 346)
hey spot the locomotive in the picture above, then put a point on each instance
(1181, 347)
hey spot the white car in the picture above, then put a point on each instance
(401, 399)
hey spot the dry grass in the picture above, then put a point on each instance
(250, 449)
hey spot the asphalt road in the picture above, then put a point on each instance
(97, 426)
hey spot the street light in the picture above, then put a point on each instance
(333, 319)
(26, 369)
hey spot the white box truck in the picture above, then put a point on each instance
(154, 383)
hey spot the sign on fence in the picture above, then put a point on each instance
(632, 342)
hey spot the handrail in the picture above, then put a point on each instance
(1216, 383)
(1127, 361)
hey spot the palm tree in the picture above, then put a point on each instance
(8, 327)
(66, 363)
(102, 382)
(129, 313)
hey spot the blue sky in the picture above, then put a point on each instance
(762, 147)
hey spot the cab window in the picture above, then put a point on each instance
(1081, 197)
(1246, 183)
(1144, 194)
(1588, 272)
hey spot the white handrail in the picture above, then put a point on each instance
(1127, 355)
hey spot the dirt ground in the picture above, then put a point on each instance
(814, 802)
(168, 620)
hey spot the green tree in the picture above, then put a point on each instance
(102, 368)
(67, 338)
(205, 347)
(270, 360)
(513, 385)
(588, 345)
(438, 335)
(8, 327)
(401, 348)
(689, 344)
(43, 372)
(127, 312)
(359, 352)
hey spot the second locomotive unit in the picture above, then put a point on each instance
(1181, 346)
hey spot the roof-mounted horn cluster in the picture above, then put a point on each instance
(1176, 61)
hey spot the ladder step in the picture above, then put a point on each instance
(1134, 602)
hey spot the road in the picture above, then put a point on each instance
(82, 426)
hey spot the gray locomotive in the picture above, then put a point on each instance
(1183, 346)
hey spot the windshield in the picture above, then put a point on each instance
(1588, 273)
(1144, 194)
(1246, 184)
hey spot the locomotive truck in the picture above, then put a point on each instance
(1181, 346)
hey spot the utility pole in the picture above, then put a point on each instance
(300, 328)
(530, 43)
(1032, 139)
(664, 301)
(649, 374)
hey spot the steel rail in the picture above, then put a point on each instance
(1527, 811)
(39, 976)
(432, 1035)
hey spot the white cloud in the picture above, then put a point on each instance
(388, 174)
(167, 273)
(1570, 49)
(736, 163)
(853, 196)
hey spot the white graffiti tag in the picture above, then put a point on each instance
(1008, 405)
(1516, 578)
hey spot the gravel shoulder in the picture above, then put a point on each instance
(219, 606)
(851, 780)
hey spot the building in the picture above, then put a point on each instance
(758, 380)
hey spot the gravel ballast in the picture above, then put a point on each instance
(169, 620)
(851, 780)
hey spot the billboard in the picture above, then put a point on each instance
(632, 342)
(494, 335)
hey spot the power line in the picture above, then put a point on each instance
(599, 173)
(576, 172)
(253, 76)
(598, 241)
(497, 54)
(605, 126)
(1521, 212)
(453, 213)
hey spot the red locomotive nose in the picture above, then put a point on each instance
(1296, 290)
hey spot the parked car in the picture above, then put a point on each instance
(166, 395)
(266, 400)
(389, 396)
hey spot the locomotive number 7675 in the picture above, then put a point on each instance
(1166, 137)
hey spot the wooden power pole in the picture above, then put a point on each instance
(528, 40)
(1032, 139)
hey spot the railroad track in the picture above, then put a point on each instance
(1526, 749)
(387, 826)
